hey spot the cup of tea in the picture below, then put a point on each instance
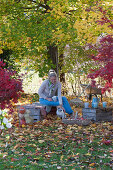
(86, 105)
(104, 104)
(95, 105)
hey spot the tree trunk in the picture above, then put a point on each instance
(62, 75)
(53, 55)
(61, 63)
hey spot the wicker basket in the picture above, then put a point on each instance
(79, 122)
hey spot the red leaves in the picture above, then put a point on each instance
(10, 87)
(102, 11)
(106, 18)
(93, 83)
(107, 142)
(2, 64)
(105, 56)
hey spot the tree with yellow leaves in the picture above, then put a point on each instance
(39, 30)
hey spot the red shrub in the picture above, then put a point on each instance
(10, 87)
(105, 54)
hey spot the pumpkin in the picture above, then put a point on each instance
(22, 110)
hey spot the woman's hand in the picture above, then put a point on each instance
(49, 99)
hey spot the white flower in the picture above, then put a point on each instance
(5, 120)
(9, 125)
(1, 127)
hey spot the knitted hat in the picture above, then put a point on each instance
(52, 73)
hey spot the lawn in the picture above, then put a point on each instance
(50, 144)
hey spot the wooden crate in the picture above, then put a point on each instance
(99, 114)
(35, 111)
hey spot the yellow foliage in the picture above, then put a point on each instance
(17, 60)
(82, 21)
(87, 27)
(1, 51)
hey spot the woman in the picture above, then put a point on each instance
(50, 94)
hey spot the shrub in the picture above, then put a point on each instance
(10, 87)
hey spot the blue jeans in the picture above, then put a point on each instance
(66, 104)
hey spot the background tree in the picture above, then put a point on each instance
(40, 30)
(104, 58)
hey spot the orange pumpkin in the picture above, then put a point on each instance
(22, 110)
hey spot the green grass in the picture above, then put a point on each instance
(58, 150)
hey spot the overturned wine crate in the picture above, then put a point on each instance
(99, 114)
(35, 111)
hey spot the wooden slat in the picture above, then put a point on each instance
(35, 111)
(98, 114)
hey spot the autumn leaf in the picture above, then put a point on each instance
(91, 164)
(16, 146)
(41, 141)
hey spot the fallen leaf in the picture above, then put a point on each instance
(107, 142)
(111, 151)
(92, 164)
(88, 154)
(61, 158)
(17, 145)
(41, 141)
(38, 149)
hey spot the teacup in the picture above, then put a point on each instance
(104, 104)
(95, 105)
(86, 105)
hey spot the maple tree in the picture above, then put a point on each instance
(104, 55)
(38, 28)
(41, 29)
(10, 87)
(38, 31)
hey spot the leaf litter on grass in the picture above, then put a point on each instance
(54, 145)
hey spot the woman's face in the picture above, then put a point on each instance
(53, 79)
